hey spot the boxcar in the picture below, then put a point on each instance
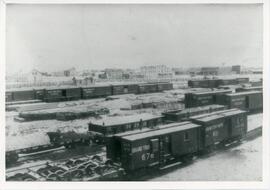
(242, 80)
(147, 88)
(237, 123)
(212, 83)
(21, 95)
(254, 101)
(234, 100)
(72, 93)
(39, 94)
(164, 86)
(214, 130)
(132, 88)
(155, 148)
(198, 83)
(256, 83)
(196, 99)
(124, 89)
(253, 88)
(96, 92)
(182, 115)
(9, 96)
(113, 148)
(68, 139)
(227, 82)
(54, 95)
(249, 100)
(221, 127)
(113, 125)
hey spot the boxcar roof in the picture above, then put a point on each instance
(119, 120)
(143, 130)
(211, 92)
(252, 87)
(244, 93)
(177, 128)
(217, 115)
(187, 110)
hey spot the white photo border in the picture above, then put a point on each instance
(265, 184)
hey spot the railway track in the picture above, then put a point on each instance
(57, 155)
(252, 134)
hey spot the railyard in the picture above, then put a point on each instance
(27, 125)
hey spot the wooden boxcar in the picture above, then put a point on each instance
(214, 130)
(234, 100)
(254, 101)
(96, 92)
(155, 148)
(68, 139)
(182, 115)
(242, 80)
(9, 96)
(72, 93)
(253, 88)
(237, 123)
(161, 86)
(124, 89)
(113, 148)
(200, 83)
(39, 94)
(147, 88)
(196, 99)
(221, 127)
(21, 95)
(113, 125)
(227, 82)
(54, 95)
(249, 100)
(256, 83)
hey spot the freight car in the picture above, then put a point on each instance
(75, 93)
(227, 82)
(177, 141)
(242, 80)
(96, 92)
(162, 86)
(69, 139)
(215, 83)
(251, 101)
(12, 156)
(222, 126)
(99, 130)
(147, 88)
(57, 139)
(195, 99)
(19, 95)
(62, 94)
(124, 89)
(205, 83)
(185, 114)
(256, 83)
(253, 88)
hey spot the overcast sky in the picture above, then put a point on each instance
(56, 37)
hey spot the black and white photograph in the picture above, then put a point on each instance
(134, 92)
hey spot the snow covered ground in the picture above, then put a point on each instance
(241, 163)
(255, 121)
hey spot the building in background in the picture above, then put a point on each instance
(70, 72)
(114, 73)
(209, 70)
(179, 71)
(236, 69)
(157, 71)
